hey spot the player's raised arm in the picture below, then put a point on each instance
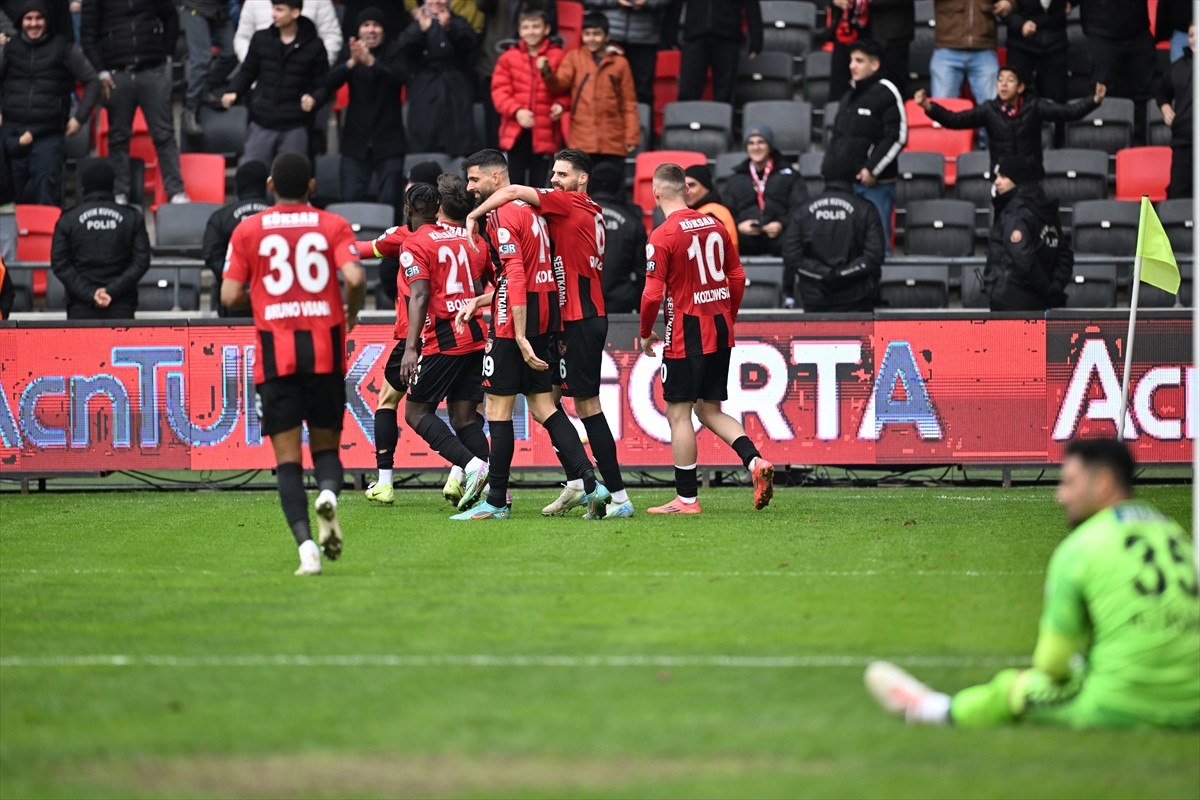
(501, 197)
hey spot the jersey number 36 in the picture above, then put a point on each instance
(310, 266)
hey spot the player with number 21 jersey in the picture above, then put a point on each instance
(440, 254)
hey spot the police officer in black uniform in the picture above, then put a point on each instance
(1028, 261)
(100, 250)
(834, 245)
(251, 183)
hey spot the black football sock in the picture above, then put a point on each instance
(503, 444)
(568, 467)
(289, 478)
(387, 434)
(685, 482)
(474, 440)
(327, 466)
(604, 448)
(745, 450)
(438, 436)
(570, 450)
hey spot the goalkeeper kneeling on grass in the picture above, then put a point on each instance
(1120, 592)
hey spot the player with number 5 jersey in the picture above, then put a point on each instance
(288, 255)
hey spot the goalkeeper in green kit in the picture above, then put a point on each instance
(1120, 592)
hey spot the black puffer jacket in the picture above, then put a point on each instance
(284, 73)
(835, 246)
(1176, 88)
(373, 119)
(38, 78)
(1051, 35)
(871, 128)
(785, 190)
(624, 254)
(1014, 136)
(720, 19)
(117, 34)
(1028, 262)
(1114, 19)
(100, 244)
(892, 22)
(209, 9)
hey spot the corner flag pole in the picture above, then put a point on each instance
(1133, 306)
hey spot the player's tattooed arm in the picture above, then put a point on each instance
(499, 198)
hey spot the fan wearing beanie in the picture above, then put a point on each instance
(760, 193)
(1028, 262)
(100, 250)
(700, 193)
(833, 247)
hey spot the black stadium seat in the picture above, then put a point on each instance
(179, 229)
(1108, 128)
(705, 127)
(789, 120)
(1093, 286)
(940, 228)
(903, 286)
(1106, 227)
(768, 77)
(1074, 175)
(788, 26)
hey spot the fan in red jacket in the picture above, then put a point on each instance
(529, 112)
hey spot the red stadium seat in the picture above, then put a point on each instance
(570, 23)
(666, 84)
(643, 175)
(926, 135)
(203, 178)
(140, 145)
(917, 118)
(35, 231)
(342, 98)
(1143, 171)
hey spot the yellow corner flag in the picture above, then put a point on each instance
(1154, 249)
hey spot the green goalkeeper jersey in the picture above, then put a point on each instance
(1125, 582)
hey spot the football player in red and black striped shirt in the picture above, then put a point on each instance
(577, 242)
(691, 260)
(524, 318)
(288, 254)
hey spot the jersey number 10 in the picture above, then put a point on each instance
(710, 259)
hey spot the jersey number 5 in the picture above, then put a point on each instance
(311, 267)
(709, 259)
(1152, 580)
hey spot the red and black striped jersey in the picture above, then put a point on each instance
(519, 244)
(289, 254)
(691, 259)
(440, 254)
(388, 245)
(577, 240)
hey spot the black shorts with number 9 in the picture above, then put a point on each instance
(506, 373)
(692, 378)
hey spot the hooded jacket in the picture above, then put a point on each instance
(1014, 136)
(38, 78)
(603, 105)
(1028, 262)
(100, 244)
(871, 127)
(128, 34)
(282, 74)
(784, 191)
(374, 120)
(516, 84)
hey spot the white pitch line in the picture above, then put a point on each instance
(501, 661)
(766, 573)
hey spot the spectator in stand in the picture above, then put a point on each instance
(130, 43)
(530, 132)
(1121, 50)
(38, 71)
(871, 128)
(395, 17)
(372, 138)
(1176, 98)
(256, 16)
(891, 23)
(251, 181)
(467, 9)
(699, 194)
(965, 47)
(287, 66)
(1037, 45)
(760, 193)
(205, 25)
(604, 120)
(636, 27)
(1028, 261)
(1013, 121)
(439, 49)
(500, 29)
(1171, 24)
(834, 245)
(712, 38)
(59, 15)
(625, 240)
(100, 250)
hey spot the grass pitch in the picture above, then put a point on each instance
(156, 644)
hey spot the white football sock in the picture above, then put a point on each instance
(687, 501)
(475, 464)
(621, 496)
(457, 473)
(575, 484)
(934, 709)
(309, 552)
(385, 477)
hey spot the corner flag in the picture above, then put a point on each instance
(1154, 249)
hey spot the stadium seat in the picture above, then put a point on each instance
(810, 172)
(645, 124)
(768, 77)
(914, 286)
(972, 287)
(828, 115)
(923, 14)
(140, 146)
(156, 289)
(1157, 132)
(1177, 220)
(704, 127)
(921, 177)
(1106, 227)
(643, 173)
(920, 51)
(570, 22)
(1074, 175)
(1143, 171)
(367, 220)
(22, 283)
(224, 131)
(1108, 128)
(940, 228)
(764, 284)
(818, 67)
(203, 178)
(56, 294)
(78, 147)
(666, 84)
(327, 171)
(724, 166)
(1093, 286)
(788, 26)
(974, 184)
(179, 229)
(35, 232)
(917, 118)
(789, 120)
(448, 162)
(951, 144)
